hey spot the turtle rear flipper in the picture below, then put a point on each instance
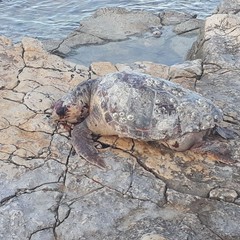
(215, 151)
(225, 133)
(84, 145)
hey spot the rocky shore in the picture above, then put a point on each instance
(48, 192)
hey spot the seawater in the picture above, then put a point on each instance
(55, 19)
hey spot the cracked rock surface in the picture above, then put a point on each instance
(148, 192)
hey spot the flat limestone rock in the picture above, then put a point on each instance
(102, 68)
(11, 58)
(185, 73)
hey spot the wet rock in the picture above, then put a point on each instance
(107, 24)
(157, 33)
(188, 26)
(74, 40)
(227, 195)
(128, 31)
(169, 17)
(118, 23)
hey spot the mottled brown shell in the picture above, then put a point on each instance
(142, 107)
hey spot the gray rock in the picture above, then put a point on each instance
(218, 43)
(221, 218)
(99, 214)
(180, 199)
(225, 97)
(171, 225)
(107, 24)
(104, 214)
(237, 201)
(28, 213)
(229, 6)
(188, 26)
(218, 46)
(146, 187)
(46, 234)
(152, 236)
(225, 194)
(17, 182)
(169, 17)
(118, 23)
(111, 26)
(74, 40)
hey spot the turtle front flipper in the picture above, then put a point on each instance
(84, 145)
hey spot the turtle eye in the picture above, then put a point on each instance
(60, 109)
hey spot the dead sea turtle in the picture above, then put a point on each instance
(137, 106)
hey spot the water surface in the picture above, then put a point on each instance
(55, 19)
(168, 49)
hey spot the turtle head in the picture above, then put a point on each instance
(74, 106)
(69, 110)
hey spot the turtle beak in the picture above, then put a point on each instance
(59, 111)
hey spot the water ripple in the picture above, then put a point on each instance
(56, 19)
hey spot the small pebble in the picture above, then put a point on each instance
(224, 194)
(157, 34)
